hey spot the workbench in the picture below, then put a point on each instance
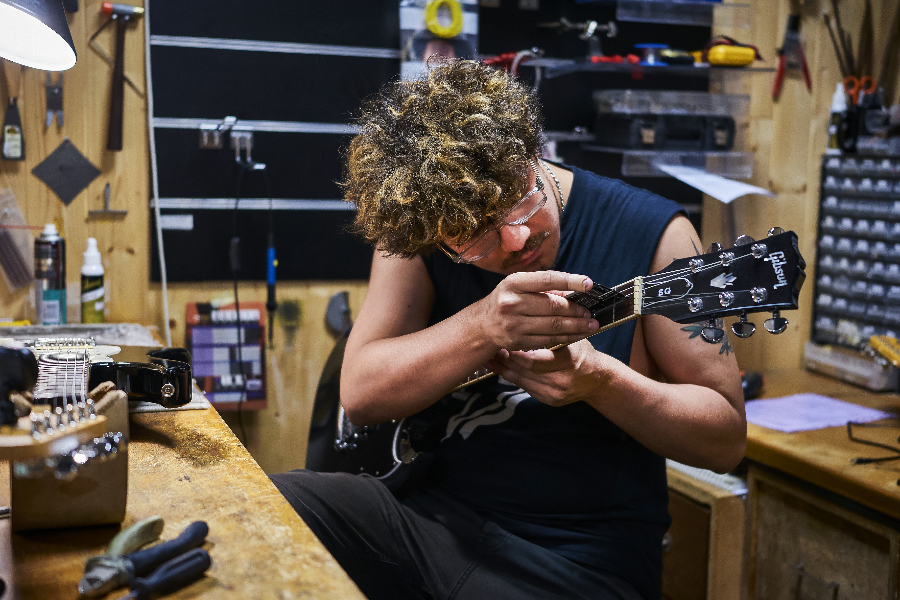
(818, 525)
(185, 466)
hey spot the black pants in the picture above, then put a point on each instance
(431, 546)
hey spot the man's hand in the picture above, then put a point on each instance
(528, 310)
(555, 377)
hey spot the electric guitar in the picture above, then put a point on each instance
(71, 367)
(764, 276)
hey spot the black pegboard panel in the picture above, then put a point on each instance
(310, 245)
(300, 85)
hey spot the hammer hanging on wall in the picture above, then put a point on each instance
(121, 14)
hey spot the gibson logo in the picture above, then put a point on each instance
(777, 259)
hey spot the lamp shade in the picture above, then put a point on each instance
(34, 33)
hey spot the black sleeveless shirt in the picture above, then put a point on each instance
(564, 478)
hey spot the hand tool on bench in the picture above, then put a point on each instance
(105, 573)
(171, 576)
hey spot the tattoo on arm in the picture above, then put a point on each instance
(695, 247)
(695, 330)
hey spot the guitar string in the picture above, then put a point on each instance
(656, 280)
(627, 294)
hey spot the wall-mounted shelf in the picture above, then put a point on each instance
(557, 67)
(643, 163)
(666, 102)
(685, 12)
(579, 135)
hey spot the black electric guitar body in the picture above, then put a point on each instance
(751, 277)
(70, 368)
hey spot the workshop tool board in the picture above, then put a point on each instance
(296, 79)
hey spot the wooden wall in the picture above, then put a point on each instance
(86, 90)
(787, 138)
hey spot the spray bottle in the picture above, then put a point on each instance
(50, 277)
(836, 124)
(92, 291)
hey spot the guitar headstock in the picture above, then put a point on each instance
(747, 278)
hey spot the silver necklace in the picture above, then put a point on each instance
(562, 201)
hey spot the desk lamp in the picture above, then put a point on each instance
(34, 33)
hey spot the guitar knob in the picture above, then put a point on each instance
(759, 250)
(714, 247)
(777, 324)
(743, 240)
(712, 332)
(744, 328)
(775, 231)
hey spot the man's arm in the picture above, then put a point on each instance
(395, 365)
(679, 396)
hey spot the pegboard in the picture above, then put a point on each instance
(295, 73)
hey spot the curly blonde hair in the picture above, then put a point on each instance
(441, 158)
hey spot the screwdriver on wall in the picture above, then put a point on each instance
(13, 142)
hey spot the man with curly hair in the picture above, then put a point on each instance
(548, 481)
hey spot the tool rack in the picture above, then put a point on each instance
(857, 287)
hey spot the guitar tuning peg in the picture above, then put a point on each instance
(714, 247)
(743, 240)
(775, 231)
(743, 328)
(777, 324)
(712, 331)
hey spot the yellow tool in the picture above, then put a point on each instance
(433, 20)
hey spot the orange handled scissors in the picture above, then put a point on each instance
(855, 85)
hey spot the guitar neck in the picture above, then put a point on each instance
(609, 306)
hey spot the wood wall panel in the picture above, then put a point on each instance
(86, 89)
(788, 138)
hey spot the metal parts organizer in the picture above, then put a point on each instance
(857, 291)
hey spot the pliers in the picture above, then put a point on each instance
(168, 562)
(171, 576)
(791, 56)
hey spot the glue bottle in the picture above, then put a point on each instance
(836, 125)
(92, 292)
(50, 277)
